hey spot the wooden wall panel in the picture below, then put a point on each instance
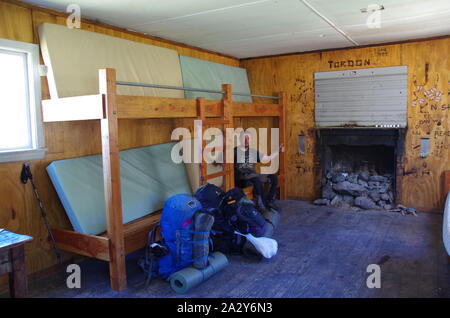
(428, 117)
(18, 209)
(15, 22)
(293, 75)
(428, 64)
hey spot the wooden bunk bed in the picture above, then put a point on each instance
(108, 107)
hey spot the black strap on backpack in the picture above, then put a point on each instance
(153, 251)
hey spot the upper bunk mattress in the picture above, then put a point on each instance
(148, 178)
(203, 74)
(74, 56)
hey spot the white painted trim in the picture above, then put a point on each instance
(22, 155)
(34, 86)
(73, 108)
(331, 23)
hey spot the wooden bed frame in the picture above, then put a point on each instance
(108, 107)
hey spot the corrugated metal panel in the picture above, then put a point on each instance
(375, 97)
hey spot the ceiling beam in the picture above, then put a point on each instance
(331, 23)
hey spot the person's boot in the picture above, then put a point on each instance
(260, 204)
(271, 202)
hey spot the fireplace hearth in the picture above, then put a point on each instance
(358, 167)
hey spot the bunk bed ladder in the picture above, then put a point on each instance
(226, 121)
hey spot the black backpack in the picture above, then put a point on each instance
(241, 213)
(250, 220)
(210, 196)
(232, 212)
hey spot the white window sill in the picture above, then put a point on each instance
(21, 155)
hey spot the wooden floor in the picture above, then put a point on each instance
(323, 252)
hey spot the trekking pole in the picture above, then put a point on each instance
(25, 176)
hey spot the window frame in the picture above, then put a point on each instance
(36, 129)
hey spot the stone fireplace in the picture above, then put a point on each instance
(358, 166)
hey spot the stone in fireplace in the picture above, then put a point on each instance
(358, 167)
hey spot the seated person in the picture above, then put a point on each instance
(245, 159)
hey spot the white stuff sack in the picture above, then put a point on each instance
(268, 247)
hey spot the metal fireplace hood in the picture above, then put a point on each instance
(364, 98)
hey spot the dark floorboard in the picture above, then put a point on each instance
(323, 252)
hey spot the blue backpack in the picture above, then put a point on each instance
(177, 229)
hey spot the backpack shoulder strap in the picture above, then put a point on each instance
(149, 264)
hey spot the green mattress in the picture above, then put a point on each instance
(148, 178)
(208, 75)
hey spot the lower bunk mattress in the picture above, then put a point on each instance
(148, 178)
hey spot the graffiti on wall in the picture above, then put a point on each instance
(429, 100)
(349, 63)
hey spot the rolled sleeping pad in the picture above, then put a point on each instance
(273, 219)
(189, 277)
(269, 230)
(273, 216)
(200, 247)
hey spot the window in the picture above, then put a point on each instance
(21, 134)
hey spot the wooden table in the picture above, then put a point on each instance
(12, 261)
